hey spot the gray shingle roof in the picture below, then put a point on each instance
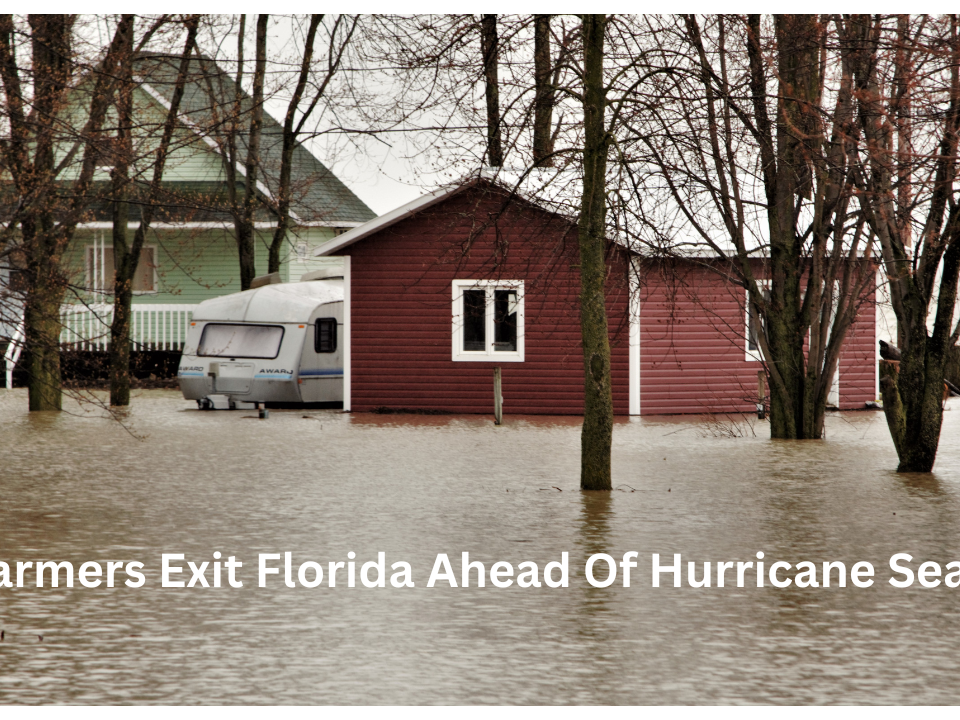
(317, 195)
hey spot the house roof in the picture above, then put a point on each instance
(483, 177)
(318, 197)
(558, 193)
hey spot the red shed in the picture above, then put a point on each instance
(473, 276)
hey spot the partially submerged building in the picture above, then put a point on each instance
(476, 276)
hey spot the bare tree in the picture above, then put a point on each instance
(340, 36)
(749, 134)
(597, 434)
(42, 101)
(127, 255)
(907, 81)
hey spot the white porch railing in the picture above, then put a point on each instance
(87, 327)
(12, 354)
(152, 327)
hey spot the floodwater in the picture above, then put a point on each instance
(77, 487)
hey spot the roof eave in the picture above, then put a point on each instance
(394, 216)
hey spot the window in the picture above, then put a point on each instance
(100, 270)
(325, 340)
(301, 250)
(755, 324)
(488, 320)
(246, 341)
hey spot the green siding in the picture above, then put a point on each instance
(195, 265)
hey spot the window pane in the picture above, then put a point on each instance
(505, 320)
(326, 339)
(248, 341)
(474, 320)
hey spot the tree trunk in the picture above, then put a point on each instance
(124, 265)
(793, 406)
(42, 333)
(597, 434)
(544, 94)
(922, 367)
(246, 234)
(913, 395)
(892, 407)
(127, 258)
(51, 59)
(490, 43)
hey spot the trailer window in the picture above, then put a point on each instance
(326, 337)
(247, 341)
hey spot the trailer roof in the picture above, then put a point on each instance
(279, 303)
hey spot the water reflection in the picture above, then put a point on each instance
(596, 511)
(925, 485)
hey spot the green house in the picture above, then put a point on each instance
(190, 253)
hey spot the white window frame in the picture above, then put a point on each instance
(488, 355)
(751, 355)
(92, 276)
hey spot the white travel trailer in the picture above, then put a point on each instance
(278, 344)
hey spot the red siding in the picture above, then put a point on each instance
(693, 345)
(401, 312)
(858, 359)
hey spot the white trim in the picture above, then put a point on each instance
(751, 355)
(877, 314)
(833, 394)
(634, 349)
(347, 341)
(394, 216)
(97, 287)
(488, 355)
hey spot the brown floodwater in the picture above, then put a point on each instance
(77, 487)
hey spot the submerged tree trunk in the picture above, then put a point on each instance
(51, 63)
(42, 329)
(122, 260)
(916, 417)
(491, 49)
(597, 433)
(755, 119)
